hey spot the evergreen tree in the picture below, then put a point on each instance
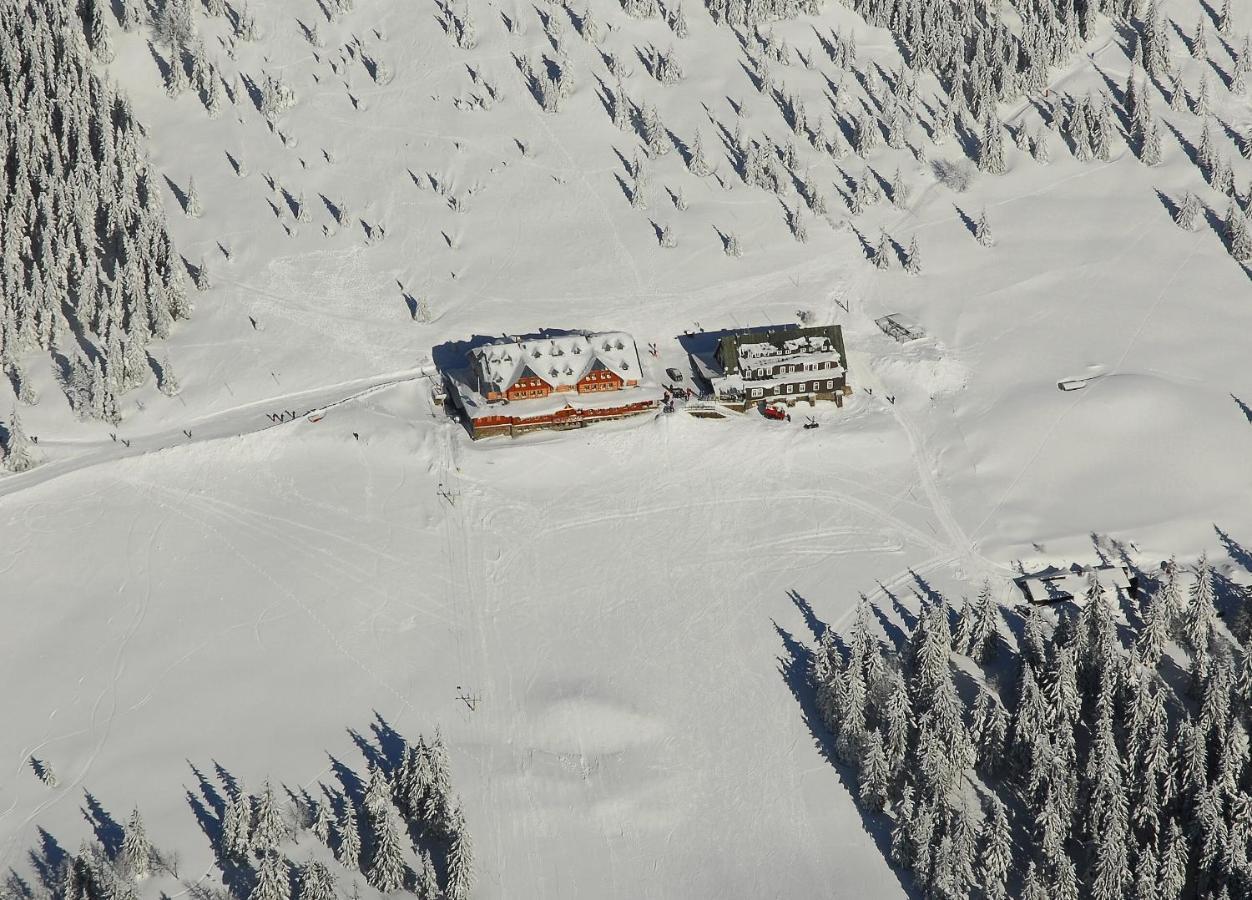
(273, 881)
(655, 137)
(18, 452)
(883, 252)
(696, 162)
(991, 148)
(899, 191)
(1237, 240)
(873, 773)
(193, 207)
(427, 887)
(995, 852)
(136, 853)
(387, 869)
(268, 830)
(322, 824)
(236, 833)
(1150, 136)
(377, 790)
(349, 837)
(1080, 135)
(901, 830)
(912, 258)
(982, 231)
(316, 882)
(1042, 152)
(1033, 887)
(460, 859)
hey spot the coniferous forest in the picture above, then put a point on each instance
(1090, 749)
(399, 827)
(87, 268)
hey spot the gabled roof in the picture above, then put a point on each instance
(560, 361)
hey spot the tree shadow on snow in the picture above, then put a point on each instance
(793, 666)
(47, 860)
(970, 225)
(108, 832)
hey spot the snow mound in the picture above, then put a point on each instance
(592, 726)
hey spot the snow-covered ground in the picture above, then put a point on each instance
(216, 586)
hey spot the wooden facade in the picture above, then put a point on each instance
(565, 418)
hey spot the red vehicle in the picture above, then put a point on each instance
(774, 412)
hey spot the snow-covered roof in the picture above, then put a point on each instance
(561, 360)
(791, 347)
(753, 348)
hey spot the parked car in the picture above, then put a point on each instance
(674, 374)
(777, 413)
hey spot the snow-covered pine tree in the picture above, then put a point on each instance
(320, 820)
(268, 830)
(1188, 211)
(873, 773)
(135, 858)
(995, 852)
(316, 882)
(1238, 241)
(1202, 103)
(19, 453)
(460, 880)
(991, 147)
(427, 886)
(1150, 136)
(912, 258)
(696, 162)
(377, 790)
(349, 837)
(23, 388)
(883, 252)
(867, 135)
(1080, 134)
(387, 870)
(193, 207)
(236, 834)
(655, 137)
(1101, 122)
(621, 107)
(899, 191)
(273, 879)
(982, 231)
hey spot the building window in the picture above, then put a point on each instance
(756, 392)
(791, 388)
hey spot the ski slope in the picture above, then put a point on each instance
(626, 601)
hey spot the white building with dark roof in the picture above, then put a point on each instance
(768, 365)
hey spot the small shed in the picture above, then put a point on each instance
(901, 327)
(1055, 585)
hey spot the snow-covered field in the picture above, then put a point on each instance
(618, 602)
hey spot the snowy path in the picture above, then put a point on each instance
(62, 458)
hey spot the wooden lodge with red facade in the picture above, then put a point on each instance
(556, 381)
